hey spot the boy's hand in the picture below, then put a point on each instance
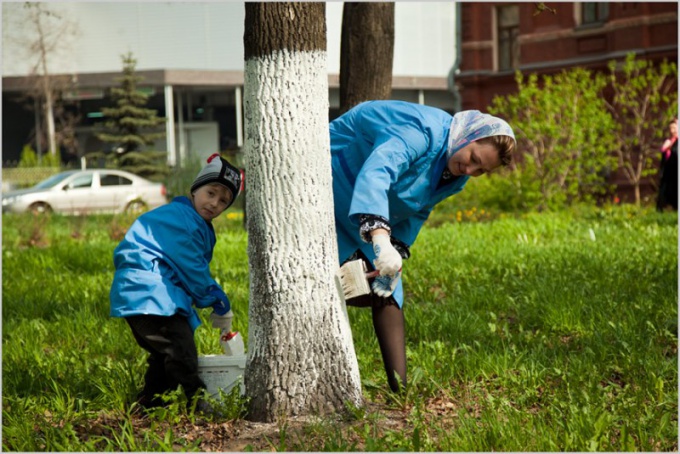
(222, 322)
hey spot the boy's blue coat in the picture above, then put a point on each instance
(163, 265)
(387, 159)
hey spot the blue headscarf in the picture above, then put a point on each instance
(470, 125)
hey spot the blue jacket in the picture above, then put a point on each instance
(387, 159)
(163, 265)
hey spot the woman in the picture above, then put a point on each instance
(392, 162)
(668, 186)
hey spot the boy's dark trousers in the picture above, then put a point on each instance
(173, 358)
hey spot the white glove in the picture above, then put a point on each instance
(384, 286)
(388, 262)
(222, 322)
(387, 259)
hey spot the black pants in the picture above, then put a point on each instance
(668, 186)
(173, 357)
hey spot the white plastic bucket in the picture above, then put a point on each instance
(221, 372)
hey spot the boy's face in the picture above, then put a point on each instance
(211, 200)
(474, 159)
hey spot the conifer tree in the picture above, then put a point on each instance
(130, 127)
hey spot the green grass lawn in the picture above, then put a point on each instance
(535, 332)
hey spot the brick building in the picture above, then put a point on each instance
(499, 38)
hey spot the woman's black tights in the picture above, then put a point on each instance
(388, 323)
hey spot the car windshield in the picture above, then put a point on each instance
(53, 180)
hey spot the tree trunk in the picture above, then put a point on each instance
(366, 53)
(301, 356)
(49, 115)
(47, 87)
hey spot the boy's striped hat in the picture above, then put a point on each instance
(219, 170)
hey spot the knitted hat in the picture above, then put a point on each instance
(219, 171)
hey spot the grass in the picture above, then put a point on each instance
(527, 332)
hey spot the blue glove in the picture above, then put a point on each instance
(384, 286)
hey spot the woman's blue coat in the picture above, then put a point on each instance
(163, 265)
(387, 159)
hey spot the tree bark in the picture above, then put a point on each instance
(366, 53)
(301, 356)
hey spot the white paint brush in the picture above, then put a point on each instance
(352, 280)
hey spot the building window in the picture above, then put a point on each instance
(508, 37)
(594, 12)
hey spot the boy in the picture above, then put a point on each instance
(162, 269)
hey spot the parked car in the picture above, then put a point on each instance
(87, 191)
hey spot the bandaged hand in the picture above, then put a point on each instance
(384, 286)
(387, 259)
(222, 322)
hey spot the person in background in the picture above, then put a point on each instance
(392, 162)
(163, 270)
(668, 185)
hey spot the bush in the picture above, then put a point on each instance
(504, 191)
(563, 133)
(29, 158)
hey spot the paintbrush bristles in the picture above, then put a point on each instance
(351, 279)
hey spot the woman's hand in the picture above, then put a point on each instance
(668, 143)
(387, 261)
(384, 286)
(387, 258)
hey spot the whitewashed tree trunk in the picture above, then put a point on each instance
(42, 47)
(301, 356)
(49, 115)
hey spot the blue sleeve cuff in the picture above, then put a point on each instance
(222, 305)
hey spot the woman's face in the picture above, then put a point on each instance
(674, 129)
(474, 159)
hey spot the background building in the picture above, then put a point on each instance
(500, 38)
(452, 55)
(191, 57)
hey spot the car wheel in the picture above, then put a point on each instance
(136, 206)
(40, 208)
